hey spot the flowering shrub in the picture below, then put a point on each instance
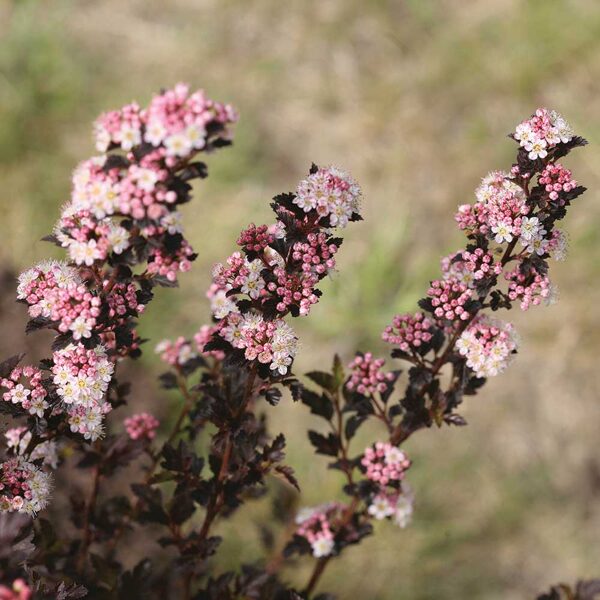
(123, 236)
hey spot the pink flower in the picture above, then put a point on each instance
(141, 426)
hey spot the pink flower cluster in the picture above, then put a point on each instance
(169, 264)
(176, 122)
(54, 291)
(409, 332)
(468, 267)
(331, 194)
(317, 526)
(530, 289)
(293, 289)
(488, 345)
(18, 591)
(449, 298)
(140, 190)
(384, 463)
(367, 376)
(122, 301)
(82, 377)
(542, 132)
(255, 239)
(141, 426)
(24, 487)
(24, 387)
(557, 181)
(175, 353)
(289, 285)
(316, 255)
(270, 342)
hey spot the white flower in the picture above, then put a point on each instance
(394, 455)
(155, 133)
(81, 328)
(146, 179)
(563, 130)
(67, 392)
(524, 134)
(196, 135)
(254, 266)
(19, 394)
(253, 287)
(173, 222)
(537, 246)
(85, 252)
(118, 238)
(537, 149)
(221, 305)
(75, 422)
(105, 370)
(404, 510)
(322, 547)
(38, 406)
(130, 136)
(40, 486)
(529, 228)
(280, 363)
(305, 201)
(503, 232)
(24, 280)
(92, 422)
(65, 275)
(340, 214)
(381, 508)
(464, 344)
(178, 145)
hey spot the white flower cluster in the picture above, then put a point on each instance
(93, 191)
(330, 192)
(542, 132)
(488, 345)
(82, 378)
(532, 235)
(24, 488)
(271, 342)
(496, 182)
(399, 506)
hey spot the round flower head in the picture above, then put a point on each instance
(24, 487)
(488, 345)
(367, 376)
(331, 193)
(384, 463)
(141, 426)
(317, 525)
(409, 332)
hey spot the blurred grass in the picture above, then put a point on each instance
(415, 98)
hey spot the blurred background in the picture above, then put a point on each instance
(415, 98)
